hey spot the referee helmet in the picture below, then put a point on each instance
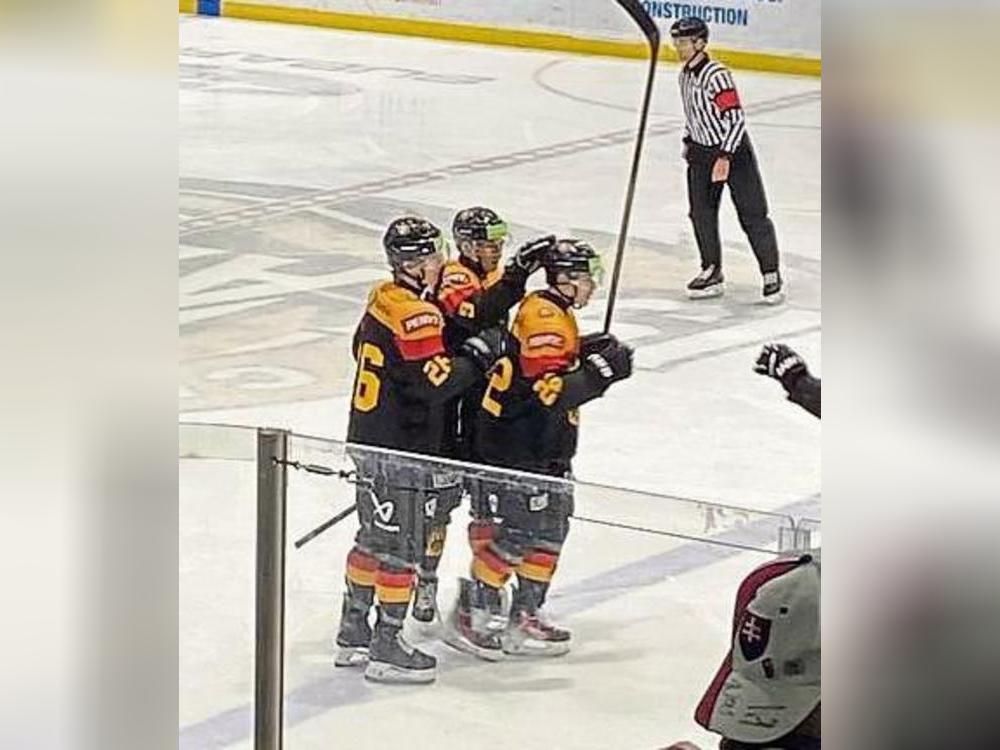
(689, 27)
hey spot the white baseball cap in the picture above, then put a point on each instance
(769, 681)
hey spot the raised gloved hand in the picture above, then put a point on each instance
(611, 362)
(486, 347)
(781, 363)
(529, 257)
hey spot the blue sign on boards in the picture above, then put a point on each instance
(209, 7)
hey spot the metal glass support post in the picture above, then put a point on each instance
(272, 482)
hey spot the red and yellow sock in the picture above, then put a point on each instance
(490, 567)
(538, 566)
(361, 568)
(393, 585)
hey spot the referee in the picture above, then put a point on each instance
(718, 152)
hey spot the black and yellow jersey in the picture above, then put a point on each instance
(471, 303)
(405, 377)
(528, 417)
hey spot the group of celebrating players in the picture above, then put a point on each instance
(443, 373)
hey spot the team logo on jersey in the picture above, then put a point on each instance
(458, 278)
(539, 340)
(421, 320)
(754, 635)
(538, 502)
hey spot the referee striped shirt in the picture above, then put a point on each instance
(712, 110)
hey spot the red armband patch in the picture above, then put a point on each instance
(727, 100)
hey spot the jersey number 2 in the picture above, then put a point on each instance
(503, 373)
(368, 385)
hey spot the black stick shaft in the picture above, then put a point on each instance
(653, 37)
(324, 526)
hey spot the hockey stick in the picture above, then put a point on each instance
(652, 34)
(350, 476)
(324, 526)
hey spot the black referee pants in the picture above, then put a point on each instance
(747, 191)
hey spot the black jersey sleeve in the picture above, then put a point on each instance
(437, 379)
(807, 393)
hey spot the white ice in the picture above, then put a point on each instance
(297, 146)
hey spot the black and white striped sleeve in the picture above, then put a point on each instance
(722, 90)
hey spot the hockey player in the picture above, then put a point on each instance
(474, 294)
(528, 421)
(404, 380)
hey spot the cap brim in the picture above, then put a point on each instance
(752, 711)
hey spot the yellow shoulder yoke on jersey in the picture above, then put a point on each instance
(404, 313)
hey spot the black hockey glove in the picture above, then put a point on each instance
(595, 342)
(781, 363)
(530, 255)
(611, 363)
(486, 347)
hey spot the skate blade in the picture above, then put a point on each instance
(351, 656)
(551, 649)
(715, 290)
(463, 644)
(379, 671)
(774, 299)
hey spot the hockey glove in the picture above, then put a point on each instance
(611, 363)
(530, 255)
(781, 363)
(486, 347)
(595, 342)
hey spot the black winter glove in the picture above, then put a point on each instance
(781, 363)
(530, 255)
(612, 362)
(486, 347)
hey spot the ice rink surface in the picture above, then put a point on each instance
(297, 147)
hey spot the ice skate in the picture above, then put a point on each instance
(708, 283)
(528, 634)
(475, 623)
(773, 291)
(392, 660)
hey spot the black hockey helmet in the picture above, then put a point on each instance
(411, 238)
(478, 224)
(575, 259)
(689, 27)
